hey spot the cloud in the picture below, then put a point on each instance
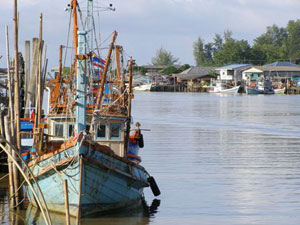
(146, 25)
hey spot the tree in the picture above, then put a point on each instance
(164, 58)
(183, 68)
(228, 35)
(233, 51)
(169, 70)
(208, 53)
(198, 52)
(271, 46)
(218, 43)
(293, 40)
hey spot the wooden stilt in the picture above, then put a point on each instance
(67, 202)
(17, 102)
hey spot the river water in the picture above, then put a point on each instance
(217, 159)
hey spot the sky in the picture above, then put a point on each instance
(144, 26)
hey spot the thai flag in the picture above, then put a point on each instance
(99, 62)
(31, 110)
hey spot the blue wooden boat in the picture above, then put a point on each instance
(87, 139)
(253, 90)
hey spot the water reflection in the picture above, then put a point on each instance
(138, 216)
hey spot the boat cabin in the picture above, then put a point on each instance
(109, 132)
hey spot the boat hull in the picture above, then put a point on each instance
(233, 90)
(96, 184)
(253, 91)
(144, 87)
(279, 91)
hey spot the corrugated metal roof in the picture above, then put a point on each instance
(276, 64)
(233, 67)
(277, 68)
(195, 72)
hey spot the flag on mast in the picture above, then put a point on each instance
(98, 61)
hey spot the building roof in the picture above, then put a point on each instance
(195, 72)
(234, 67)
(257, 69)
(280, 64)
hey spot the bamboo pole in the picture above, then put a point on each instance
(10, 164)
(16, 79)
(17, 101)
(39, 80)
(10, 85)
(41, 204)
(27, 68)
(67, 202)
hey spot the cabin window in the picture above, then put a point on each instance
(101, 131)
(59, 129)
(115, 131)
(71, 130)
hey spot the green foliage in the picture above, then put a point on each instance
(140, 69)
(276, 44)
(199, 53)
(293, 40)
(173, 69)
(169, 70)
(271, 45)
(66, 71)
(164, 58)
(183, 68)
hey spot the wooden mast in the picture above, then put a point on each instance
(129, 105)
(75, 27)
(103, 80)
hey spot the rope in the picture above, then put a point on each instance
(17, 190)
(3, 176)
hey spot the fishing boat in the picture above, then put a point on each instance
(220, 87)
(143, 87)
(279, 91)
(260, 87)
(253, 90)
(232, 90)
(87, 138)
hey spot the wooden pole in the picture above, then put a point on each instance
(2, 129)
(67, 202)
(80, 189)
(17, 101)
(10, 164)
(44, 73)
(39, 80)
(130, 86)
(27, 68)
(128, 106)
(16, 79)
(103, 81)
(10, 85)
(32, 84)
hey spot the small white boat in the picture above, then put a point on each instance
(220, 87)
(279, 90)
(231, 90)
(144, 87)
